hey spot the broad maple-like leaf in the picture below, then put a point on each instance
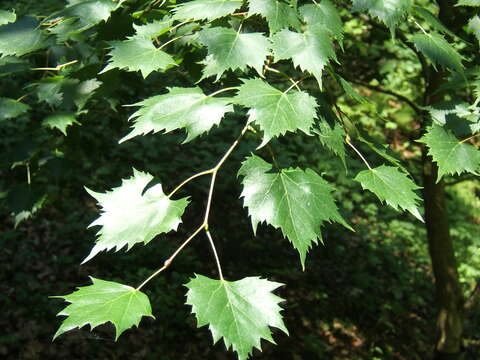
(278, 14)
(138, 54)
(10, 108)
(60, 121)
(21, 37)
(391, 12)
(294, 200)
(275, 111)
(206, 9)
(438, 50)
(310, 50)
(187, 108)
(130, 216)
(102, 302)
(323, 13)
(231, 50)
(333, 138)
(240, 311)
(451, 155)
(7, 17)
(392, 186)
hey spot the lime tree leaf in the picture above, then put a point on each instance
(276, 112)
(310, 50)
(130, 216)
(438, 50)
(333, 138)
(452, 156)
(392, 186)
(21, 37)
(432, 20)
(206, 9)
(187, 108)
(474, 26)
(323, 13)
(240, 311)
(138, 54)
(60, 121)
(7, 17)
(10, 108)
(154, 29)
(391, 12)
(294, 200)
(231, 50)
(102, 302)
(278, 14)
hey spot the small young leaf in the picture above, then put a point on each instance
(7, 17)
(138, 54)
(279, 15)
(391, 12)
(392, 186)
(186, 108)
(294, 200)
(10, 108)
(474, 26)
(276, 112)
(153, 29)
(323, 13)
(451, 156)
(231, 50)
(333, 138)
(240, 311)
(21, 37)
(438, 50)
(60, 121)
(102, 302)
(131, 216)
(206, 9)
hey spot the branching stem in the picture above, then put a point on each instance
(56, 68)
(170, 41)
(469, 138)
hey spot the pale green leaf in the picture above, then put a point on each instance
(130, 215)
(278, 14)
(452, 156)
(60, 121)
(432, 20)
(240, 312)
(102, 302)
(206, 9)
(153, 29)
(310, 50)
(392, 186)
(21, 37)
(468, 3)
(231, 50)
(276, 112)
(10, 108)
(438, 50)
(7, 17)
(333, 138)
(323, 13)
(186, 108)
(391, 12)
(474, 26)
(138, 54)
(296, 201)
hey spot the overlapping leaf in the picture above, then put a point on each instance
(333, 138)
(468, 3)
(206, 9)
(130, 215)
(296, 201)
(276, 112)
(392, 186)
(474, 26)
(391, 12)
(154, 29)
(323, 13)
(186, 108)
(240, 311)
(7, 17)
(451, 155)
(60, 121)
(21, 37)
(10, 108)
(138, 54)
(438, 50)
(231, 50)
(102, 302)
(278, 14)
(433, 20)
(310, 50)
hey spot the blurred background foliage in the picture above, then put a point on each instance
(364, 295)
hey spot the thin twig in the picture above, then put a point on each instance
(469, 138)
(206, 172)
(56, 68)
(215, 254)
(348, 141)
(223, 90)
(170, 41)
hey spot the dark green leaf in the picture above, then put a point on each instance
(10, 108)
(438, 50)
(21, 37)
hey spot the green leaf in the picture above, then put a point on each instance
(323, 13)
(186, 108)
(391, 12)
(392, 186)
(294, 200)
(231, 50)
(132, 216)
(333, 138)
(350, 90)
(276, 112)
(102, 302)
(138, 54)
(12, 64)
(153, 29)
(310, 50)
(438, 50)
(60, 121)
(206, 9)
(474, 26)
(432, 20)
(21, 37)
(468, 3)
(240, 311)
(278, 14)
(451, 155)
(7, 17)
(10, 108)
